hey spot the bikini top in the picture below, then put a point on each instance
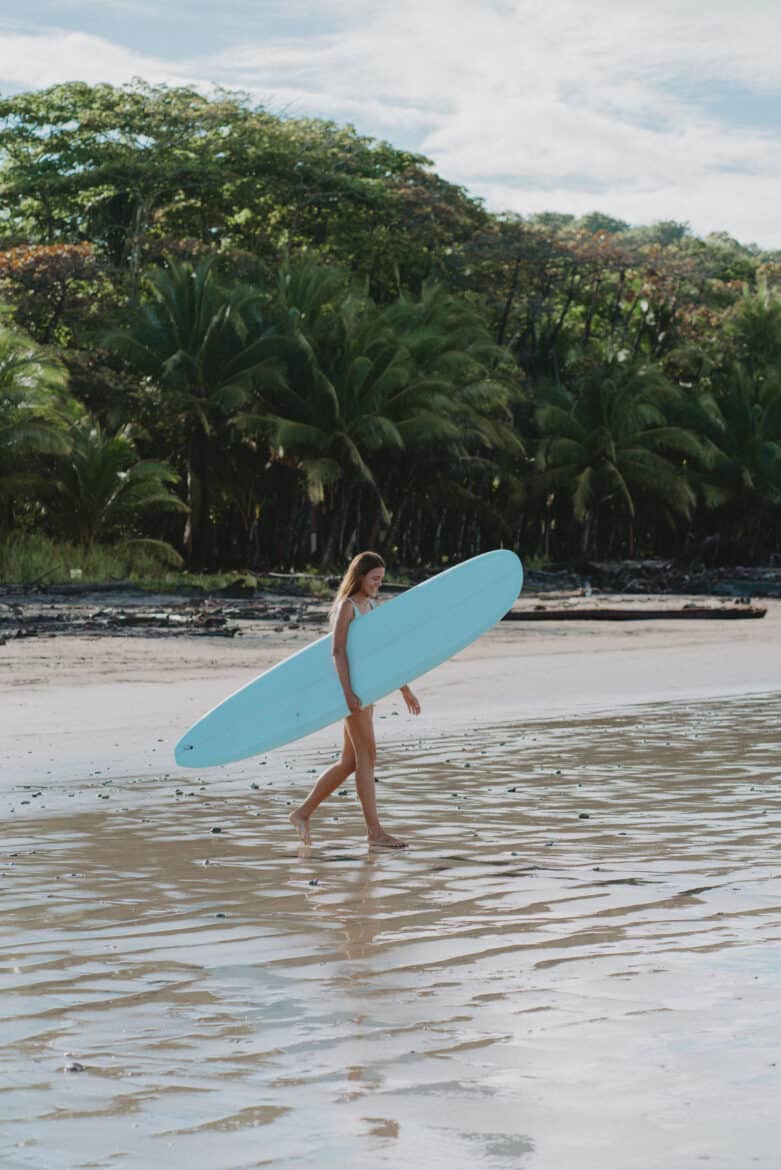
(359, 612)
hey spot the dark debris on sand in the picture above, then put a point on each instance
(130, 612)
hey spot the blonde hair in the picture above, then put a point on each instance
(357, 569)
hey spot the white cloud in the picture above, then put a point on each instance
(745, 207)
(34, 61)
(565, 104)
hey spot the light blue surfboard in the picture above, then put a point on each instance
(392, 645)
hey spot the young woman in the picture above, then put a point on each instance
(355, 599)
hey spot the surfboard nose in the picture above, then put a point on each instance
(183, 752)
(510, 570)
(513, 563)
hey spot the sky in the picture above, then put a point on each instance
(646, 111)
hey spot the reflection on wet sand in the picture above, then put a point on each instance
(575, 964)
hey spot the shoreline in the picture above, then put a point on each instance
(156, 615)
(80, 704)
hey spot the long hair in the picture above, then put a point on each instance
(357, 569)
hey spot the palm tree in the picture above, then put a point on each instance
(366, 385)
(459, 369)
(33, 416)
(203, 344)
(614, 448)
(463, 448)
(331, 416)
(101, 489)
(743, 486)
(755, 330)
(343, 366)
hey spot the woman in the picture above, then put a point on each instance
(355, 599)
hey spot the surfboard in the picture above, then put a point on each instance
(397, 642)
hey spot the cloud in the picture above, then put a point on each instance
(533, 104)
(38, 60)
(752, 204)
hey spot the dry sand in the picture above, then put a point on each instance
(574, 967)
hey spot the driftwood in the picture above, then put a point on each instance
(635, 614)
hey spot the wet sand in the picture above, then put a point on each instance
(575, 964)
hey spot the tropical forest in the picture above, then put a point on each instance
(234, 340)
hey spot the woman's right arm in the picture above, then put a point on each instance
(339, 654)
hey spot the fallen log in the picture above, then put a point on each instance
(718, 612)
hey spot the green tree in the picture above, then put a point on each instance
(33, 417)
(110, 165)
(613, 451)
(144, 170)
(202, 344)
(744, 485)
(466, 468)
(100, 489)
(664, 232)
(755, 330)
(743, 488)
(597, 221)
(368, 386)
(342, 397)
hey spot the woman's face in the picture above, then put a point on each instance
(372, 581)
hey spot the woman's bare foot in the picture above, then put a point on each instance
(383, 840)
(301, 824)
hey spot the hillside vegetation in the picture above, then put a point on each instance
(231, 339)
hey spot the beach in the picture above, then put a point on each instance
(574, 964)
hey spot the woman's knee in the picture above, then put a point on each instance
(347, 764)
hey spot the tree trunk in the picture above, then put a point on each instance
(586, 539)
(348, 508)
(501, 333)
(198, 528)
(189, 539)
(374, 531)
(590, 313)
(204, 520)
(253, 537)
(330, 550)
(312, 536)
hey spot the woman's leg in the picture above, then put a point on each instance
(325, 784)
(360, 729)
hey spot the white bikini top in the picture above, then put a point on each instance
(359, 612)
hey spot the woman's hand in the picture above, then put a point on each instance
(413, 704)
(353, 702)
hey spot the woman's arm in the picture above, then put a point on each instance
(412, 701)
(339, 654)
